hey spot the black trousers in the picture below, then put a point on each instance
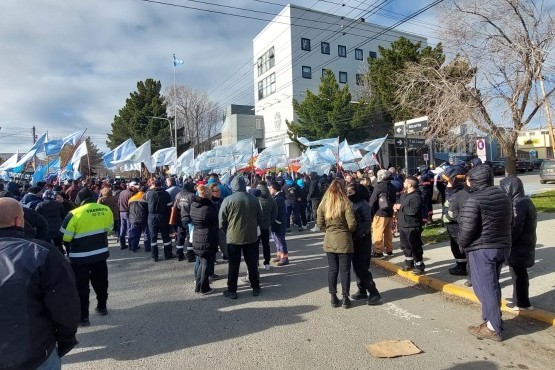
(521, 285)
(264, 238)
(302, 211)
(182, 242)
(157, 224)
(361, 266)
(315, 204)
(203, 272)
(339, 263)
(97, 273)
(411, 243)
(250, 254)
(460, 257)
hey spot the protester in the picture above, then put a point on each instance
(32, 198)
(362, 245)
(85, 232)
(73, 190)
(302, 201)
(54, 213)
(240, 215)
(485, 236)
(159, 204)
(269, 215)
(111, 201)
(138, 221)
(409, 213)
(183, 202)
(123, 205)
(172, 188)
(278, 227)
(217, 200)
(292, 194)
(336, 218)
(426, 186)
(38, 297)
(314, 195)
(523, 247)
(381, 204)
(204, 217)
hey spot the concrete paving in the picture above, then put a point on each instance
(155, 321)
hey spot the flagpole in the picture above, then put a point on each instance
(174, 107)
(88, 162)
(74, 148)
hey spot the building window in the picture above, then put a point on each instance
(360, 79)
(259, 123)
(267, 86)
(266, 61)
(307, 72)
(373, 55)
(305, 44)
(343, 77)
(342, 51)
(325, 46)
(324, 71)
(358, 54)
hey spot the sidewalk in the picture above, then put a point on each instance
(438, 259)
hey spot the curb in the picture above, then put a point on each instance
(463, 292)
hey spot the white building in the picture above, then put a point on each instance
(291, 52)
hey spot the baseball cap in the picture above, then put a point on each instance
(132, 184)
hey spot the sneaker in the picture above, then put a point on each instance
(214, 277)
(334, 301)
(315, 229)
(301, 228)
(418, 268)
(231, 295)
(277, 259)
(84, 322)
(374, 300)
(458, 270)
(483, 332)
(359, 295)
(514, 307)
(283, 262)
(256, 292)
(346, 302)
(209, 291)
(377, 255)
(101, 311)
(409, 265)
(266, 267)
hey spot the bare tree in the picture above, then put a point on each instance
(505, 46)
(197, 116)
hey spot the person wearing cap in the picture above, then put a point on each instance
(159, 206)
(85, 233)
(123, 205)
(32, 198)
(54, 212)
(454, 177)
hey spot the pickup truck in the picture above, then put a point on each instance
(523, 165)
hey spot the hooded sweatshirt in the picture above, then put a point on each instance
(269, 207)
(240, 214)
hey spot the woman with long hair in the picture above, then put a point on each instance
(336, 218)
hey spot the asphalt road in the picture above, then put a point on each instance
(155, 321)
(531, 181)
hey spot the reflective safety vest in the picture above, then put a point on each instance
(86, 230)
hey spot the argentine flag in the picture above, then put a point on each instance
(177, 62)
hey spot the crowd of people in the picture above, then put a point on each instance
(358, 212)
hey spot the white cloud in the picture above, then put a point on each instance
(69, 65)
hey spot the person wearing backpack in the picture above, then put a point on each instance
(381, 203)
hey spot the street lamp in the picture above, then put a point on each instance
(170, 123)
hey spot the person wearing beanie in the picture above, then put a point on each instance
(53, 211)
(159, 207)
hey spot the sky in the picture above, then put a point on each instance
(70, 65)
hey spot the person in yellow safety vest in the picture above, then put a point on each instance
(85, 232)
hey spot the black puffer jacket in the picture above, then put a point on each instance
(204, 217)
(486, 216)
(362, 212)
(314, 190)
(36, 226)
(54, 213)
(455, 198)
(387, 188)
(159, 203)
(269, 207)
(523, 237)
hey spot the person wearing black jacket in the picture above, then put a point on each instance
(362, 243)
(183, 202)
(485, 236)
(38, 298)
(54, 213)
(381, 204)
(292, 194)
(204, 217)
(523, 235)
(159, 203)
(138, 220)
(409, 218)
(314, 195)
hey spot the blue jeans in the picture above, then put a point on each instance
(281, 243)
(293, 208)
(53, 362)
(124, 228)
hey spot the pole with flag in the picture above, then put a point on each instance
(176, 62)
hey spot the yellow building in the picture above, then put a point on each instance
(535, 140)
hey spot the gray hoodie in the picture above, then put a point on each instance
(240, 214)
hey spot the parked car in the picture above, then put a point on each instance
(498, 168)
(547, 171)
(523, 165)
(537, 162)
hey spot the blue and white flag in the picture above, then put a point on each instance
(54, 147)
(121, 151)
(10, 163)
(272, 156)
(245, 146)
(331, 142)
(185, 163)
(177, 62)
(38, 147)
(79, 153)
(164, 157)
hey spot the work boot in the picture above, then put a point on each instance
(409, 265)
(346, 302)
(359, 295)
(374, 300)
(334, 301)
(180, 254)
(458, 270)
(418, 268)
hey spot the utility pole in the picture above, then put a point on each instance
(548, 116)
(34, 135)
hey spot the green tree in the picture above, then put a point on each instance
(133, 119)
(384, 75)
(94, 158)
(330, 113)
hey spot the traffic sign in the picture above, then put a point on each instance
(416, 125)
(399, 142)
(399, 129)
(411, 143)
(426, 157)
